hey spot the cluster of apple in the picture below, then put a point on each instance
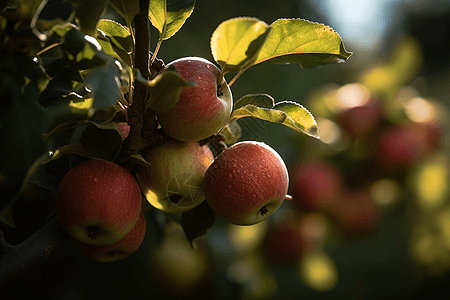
(338, 189)
(99, 202)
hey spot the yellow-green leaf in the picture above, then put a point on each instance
(120, 36)
(260, 100)
(126, 8)
(236, 42)
(168, 16)
(267, 114)
(303, 42)
(298, 118)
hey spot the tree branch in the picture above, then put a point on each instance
(142, 121)
(31, 253)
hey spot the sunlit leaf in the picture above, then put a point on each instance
(298, 118)
(236, 42)
(267, 114)
(260, 100)
(303, 42)
(126, 8)
(177, 13)
(120, 36)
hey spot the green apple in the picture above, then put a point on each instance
(119, 250)
(203, 110)
(173, 181)
(246, 183)
(98, 202)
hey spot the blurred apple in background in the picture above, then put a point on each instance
(315, 184)
(356, 213)
(361, 120)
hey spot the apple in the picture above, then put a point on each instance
(124, 128)
(173, 181)
(356, 213)
(121, 249)
(361, 120)
(315, 184)
(203, 110)
(403, 146)
(246, 183)
(98, 202)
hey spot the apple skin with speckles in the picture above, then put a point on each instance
(173, 180)
(119, 250)
(98, 202)
(201, 110)
(246, 183)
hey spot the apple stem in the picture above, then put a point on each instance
(288, 197)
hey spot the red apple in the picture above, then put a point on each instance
(121, 249)
(246, 183)
(124, 128)
(203, 110)
(361, 120)
(315, 184)
(173, 181)
(403, 146)
(98, 202)
(356, 213)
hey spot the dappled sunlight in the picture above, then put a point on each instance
(319, 271)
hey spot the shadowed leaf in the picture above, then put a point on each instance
(102, 141)
(197, 221)
(126, 8)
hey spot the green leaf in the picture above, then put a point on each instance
(169, 21)
(115, 40)
(88, 14)
(137, 159)
(236, 42)
(128, 9)
(250, 110)
(165, 89)
(77, 149)
(303, 42)
(260, 100)
(102, 141)
(6, 216)
(197, 221)
(120, 35)
(298, 118)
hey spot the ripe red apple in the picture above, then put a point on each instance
(121, 249)
(124, 128)
(98, 202)
(203, 110)
(315, 184)
(173, 181)
(246, 183)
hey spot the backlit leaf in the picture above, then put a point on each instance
(177, 13)
(236, 42)
(303, 42)
(260, 100)
(126, 8)
(298, 118)
(120, 36)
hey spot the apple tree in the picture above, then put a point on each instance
(78, 87)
